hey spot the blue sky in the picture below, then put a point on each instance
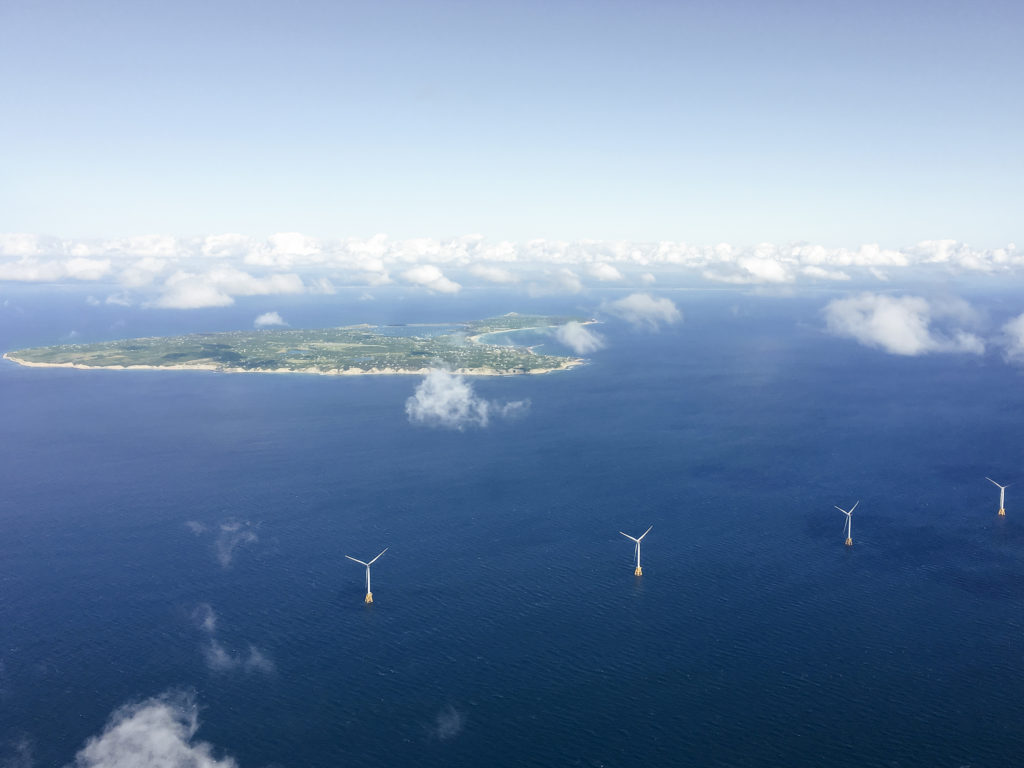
(834, 123)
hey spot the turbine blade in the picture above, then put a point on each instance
(645, 533)
(997, 485)
(840, 509)
(854, 506)
(628, 536)
(375, 559)
(354, 560)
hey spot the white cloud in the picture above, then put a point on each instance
(211, 270)
(904, 325)
(233, 535)
(432, 278)
(184, 291)
(217, 288)
(644, 311)
(824, 274)
(155, 733)
(445, 400)
(604, 272)
(579, 338)
(1012, 339)
(268, 319)
(493, 274)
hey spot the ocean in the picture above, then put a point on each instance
(186, 532)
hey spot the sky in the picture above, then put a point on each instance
(837, 124)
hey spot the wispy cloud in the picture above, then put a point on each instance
(269, 319)
(19, 755)
(155, 733)
(644, 311)
(446, 400)
(217, 657)
(905, 325)
(579, 338)
(448, 724)
(233, 535)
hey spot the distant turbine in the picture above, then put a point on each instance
(369, 594)
(1002, 495)
(639, 571)
(848, 526)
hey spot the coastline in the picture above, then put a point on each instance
(570, 363)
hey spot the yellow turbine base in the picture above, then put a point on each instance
(369, 597)
(849, 542)
(1002, 513)
(639, 571)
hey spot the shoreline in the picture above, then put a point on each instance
(212, 368)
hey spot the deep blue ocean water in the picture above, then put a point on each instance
(508, 628)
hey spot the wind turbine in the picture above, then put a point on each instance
(1002, 495)
(848, 527)
(639, 571)
(369, 594)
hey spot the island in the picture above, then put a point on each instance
(351, 350)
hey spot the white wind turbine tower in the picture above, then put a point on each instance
(848, 526)
(369, 593)
(1002, 495)
(639, 570)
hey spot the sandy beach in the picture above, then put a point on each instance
(571, 363)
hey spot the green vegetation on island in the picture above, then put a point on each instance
(350, 350)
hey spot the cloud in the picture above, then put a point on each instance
(20, 755)
(445, 400)
(493, 274)
(644, 311)
(185, 291)
(233, 534)
(195, 526)
(217, 287)
(432, 278)
(604, 272)
(205, 618)
(1012, 339)
(904, 325)
(579, 338)
(448, 724)
(155, 733)
(268, 319)
(218, 658)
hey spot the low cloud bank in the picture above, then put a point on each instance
(905, 325)
(155, 733)
(445, 400)
(167, 272)
(644, 311)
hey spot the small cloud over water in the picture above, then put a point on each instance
(445, 400)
